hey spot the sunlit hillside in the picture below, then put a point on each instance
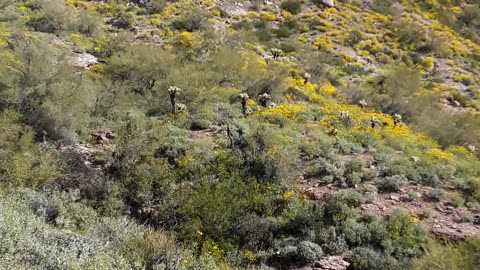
(221, 134)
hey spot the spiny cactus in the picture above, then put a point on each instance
(173, 91)
(415, 159)
(472, 148)
(363, 103)
(244, 100)
(344, 115)
(374, 121)
(180, 107)
(306, 77)
(272, 105)
(397, 119)
(333, 131)
(263, 99)
(345, 118)
(276, 53)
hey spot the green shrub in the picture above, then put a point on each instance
(51, 17)
(464, 256)
(368, 259)
(436, 194)
(470, 15)
(292, 6)
(337, 211)
(193, 19)
(391, 183)
(124, 20)
(309, 252)
(405, 236)
(458, 201)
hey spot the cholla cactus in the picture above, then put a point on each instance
(244, 100)
(180, 107)
(272, 105)
(173, 91)
(363, 103)
(306, 76)
(267, 57)
(276, 53)
(333, 131)
(344, 115)
(416, 159)
(472, 148)
(374, 121)
(397, 119)
(345, 118)
(263, 99)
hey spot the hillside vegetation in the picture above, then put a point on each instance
(221, 134)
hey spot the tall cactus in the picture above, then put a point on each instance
(264, 99)
(397, 119)
(276, 53)
(345, 118)
(363, 103)
(374, 121)
(306, 77)
(244, 100)
(173, 91)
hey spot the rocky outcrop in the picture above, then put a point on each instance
(84, 60)
(332, 263)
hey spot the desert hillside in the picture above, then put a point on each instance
(222, 134)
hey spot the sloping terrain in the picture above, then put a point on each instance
(219, 134)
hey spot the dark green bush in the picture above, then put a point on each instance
(405, 236)
(436, 194)
(464, 255)
(292, 6)
(309, 252)
(192, 20)
(391, 183)
(368, 259)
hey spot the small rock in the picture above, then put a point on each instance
(395, 198)
(328, 3)
(438, 226)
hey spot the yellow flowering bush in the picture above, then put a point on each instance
(328, 89)
(268, 16)
(323, 43)
(285, 110)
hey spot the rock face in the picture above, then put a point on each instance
(329, 3)
(332, 263)
(84, 60)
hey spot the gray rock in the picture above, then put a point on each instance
(329, 3)
(395, 198)
(84, 60)
(333, 263)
